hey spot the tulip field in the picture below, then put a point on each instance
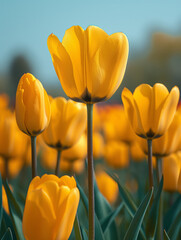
(81, 168)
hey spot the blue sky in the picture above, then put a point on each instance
(25, 25)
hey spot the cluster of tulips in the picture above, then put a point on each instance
(67, 135)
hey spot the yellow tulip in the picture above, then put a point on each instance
(32, 105)
(150, 109)
(168, 143)
(77, 166)
(90, 64)
(116, 154)
(5, 199)
(4, 101)
(137, 153)
(98, 145)
(107, 186)
(14, 167)
(77, 151)
(50, 208)
(12, 139)
(67, 124)
(117, 126)
(171, 171)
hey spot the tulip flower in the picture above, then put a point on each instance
(116, 154)
(67, 124)
(90, 64)
(107, 186)
(171, 171)
(32, 105)
(150, 111)
(98, 145)
(50, 208)
(168, 143)
(5, 200)
(32, 111)
(11, 168)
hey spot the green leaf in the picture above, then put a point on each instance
(8, 235)
(175, 227)
(106, 222)
(171, 213)
(8, 222)
(102, 209)
(127, 199)
(151, 222)
(83, 198)
(1, 205)
(165, 236)
(78, 235)
(136, 222)
(84, 233)
(126, 196)
(15, 212)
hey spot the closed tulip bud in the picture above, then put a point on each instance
(67, 124)
(116, 154)
(150, 109)
(107, 186)
(90, 64)
(11, 138)
(32, 105)
(137, 153)
(50, 208)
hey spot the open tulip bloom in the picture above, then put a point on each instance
(90, 65)
(150, 111)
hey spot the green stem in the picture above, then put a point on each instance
(58, 162)
(90, 171)
(150, 165)
(160, 215)
(33, 156)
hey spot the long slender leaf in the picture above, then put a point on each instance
(8, 222)
(127, 199)
(106, 222)
(136, 222)
(171, 213)
(152, 219)
(78, 235)
(175, 227)
(165, 236)
(8, 235)
(15, 212)
(84, 233)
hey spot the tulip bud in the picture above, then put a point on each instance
(32, 105)
(50, 208)
(67, 124)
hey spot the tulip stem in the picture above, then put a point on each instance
(90, 171)
(150, 165)
(33, 156)
(160, 215)
(58, 162)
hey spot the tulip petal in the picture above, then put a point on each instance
(109, 65)
(66, 221)
(63, 66)
(132, 111)
(74, 43)
(39, 217)
(168, 111)
(143, 98)
(67, 181)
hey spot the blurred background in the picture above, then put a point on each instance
(153, 29)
